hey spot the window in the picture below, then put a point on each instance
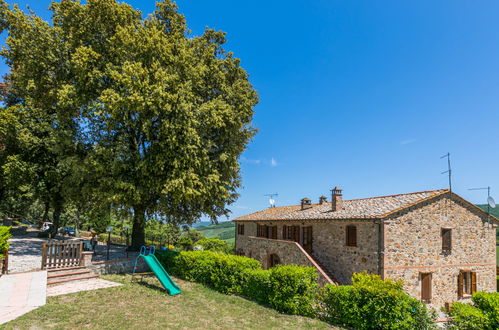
(262, 231)
(266, 231)
(426, 287)
(446, 234)
(351, 236)
(307, 238)
(274, 260)
(466, 283)
(240, 229)
(273, 232)
(291, 233)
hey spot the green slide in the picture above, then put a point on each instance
(160, 272)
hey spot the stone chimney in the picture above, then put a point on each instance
(322, 200)
(337, 199)
(306, 203)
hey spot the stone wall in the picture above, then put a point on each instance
(414, 246)
(329, 246)
(118, 266)
(289, 253)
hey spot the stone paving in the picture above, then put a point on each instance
(77, 286)
(21, 293)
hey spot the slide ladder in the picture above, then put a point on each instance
(157, 268)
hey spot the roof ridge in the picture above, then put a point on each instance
(395, 195)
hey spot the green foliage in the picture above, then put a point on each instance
(185, 243)
(106, 106)
(372, 303)
(4, 238)
(293, 289)
(288, 289)
(223, 230)
(214, 244)
(221, 271)
(468, 317)
(488, 303)
(257, 285)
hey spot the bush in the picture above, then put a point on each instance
(257, 285)
(293, 289)
(488, 303)
(223, 272)
(467, 317)
(373, 303)
(185, 243)
(214, 244)
(4, 240)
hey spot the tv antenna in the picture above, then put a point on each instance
(491, 204)
(449, 170)
(272, 199)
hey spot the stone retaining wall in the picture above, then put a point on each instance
(118, 266)
(289, 253)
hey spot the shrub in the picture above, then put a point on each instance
(293, 289)
(488, 303)
(214, 244)
(185, 243)
(467, 317)
(223, 272)
(373, 303)
(4, 240)
(256, 285)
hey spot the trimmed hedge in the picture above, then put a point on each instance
(4, 240)
(370, 303)
(373, 303)
(467, 317)
(288, 289)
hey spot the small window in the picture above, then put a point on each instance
(291, 233)
(240, 229)
(273, 232)
(446, 239)
(466, 283)
(426, 287)
(351, 236)
(274, 260)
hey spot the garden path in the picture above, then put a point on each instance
(21, 293)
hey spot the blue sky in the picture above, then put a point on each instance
(365, 95)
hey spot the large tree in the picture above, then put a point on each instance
(165, 114)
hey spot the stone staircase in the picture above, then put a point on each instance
(324, 268)
(68, 274)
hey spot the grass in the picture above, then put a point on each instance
(146, 306)
(224, 230)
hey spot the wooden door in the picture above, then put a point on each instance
(307, 239)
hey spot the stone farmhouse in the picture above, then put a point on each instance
(442, 246)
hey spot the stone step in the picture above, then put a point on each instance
(69, 279)
(58, 270)
(73, 273)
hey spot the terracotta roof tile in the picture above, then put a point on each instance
(365, 208)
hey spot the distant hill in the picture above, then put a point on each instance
(494, 212)
(224, 230)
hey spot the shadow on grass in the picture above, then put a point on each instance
(152, 286)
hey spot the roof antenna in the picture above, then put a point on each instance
(490, 201)
(271, 199)
(449, 170)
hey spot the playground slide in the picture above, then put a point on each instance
(161, 274)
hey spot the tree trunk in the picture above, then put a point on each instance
(57, 217)
(138, 229)
(45, 217)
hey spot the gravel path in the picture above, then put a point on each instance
(25, 253)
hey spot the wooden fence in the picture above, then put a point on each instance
(61, 254)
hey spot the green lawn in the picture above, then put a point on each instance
(224, 231)
(146, 306)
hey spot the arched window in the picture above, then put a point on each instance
(274, 260)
